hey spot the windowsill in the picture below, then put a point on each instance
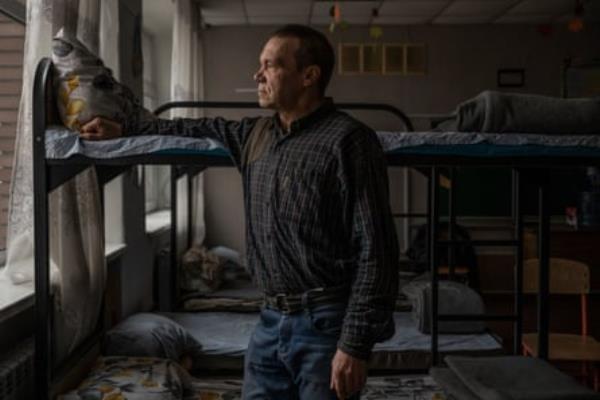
(113, 251)
(158, 221)
(14, 298)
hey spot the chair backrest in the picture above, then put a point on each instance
(566, 277)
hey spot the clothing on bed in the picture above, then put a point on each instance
(236, 295)
(201, 270)
(508, 378)
(492, 111)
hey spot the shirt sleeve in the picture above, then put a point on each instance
(231, 134)
(364, 182)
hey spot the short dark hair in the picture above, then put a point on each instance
(314, 49)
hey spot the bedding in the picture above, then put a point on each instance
(238, 295)
(201, 270)
(492, 111)
(224, 338)
(453, 298)
(508, 378)
(134, 378)
(62, 143)
(237, 292)
(86, 88)
(151, 335)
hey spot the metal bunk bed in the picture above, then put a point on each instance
(49, 174)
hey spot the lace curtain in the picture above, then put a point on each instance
(76, 225)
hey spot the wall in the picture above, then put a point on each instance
(463, 60)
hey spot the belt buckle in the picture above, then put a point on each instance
(282, 303)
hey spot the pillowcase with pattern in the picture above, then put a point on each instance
(86, 88)
(134, 378)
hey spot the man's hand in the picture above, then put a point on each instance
(348, 374)
(101, 129)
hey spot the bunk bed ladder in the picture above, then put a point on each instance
(434, 245)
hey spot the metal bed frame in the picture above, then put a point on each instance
(49, 174)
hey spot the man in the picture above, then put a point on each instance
(320, 237)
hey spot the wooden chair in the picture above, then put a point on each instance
(566, 277)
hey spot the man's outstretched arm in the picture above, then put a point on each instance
(232, 134)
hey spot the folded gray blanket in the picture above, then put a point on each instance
(451, 384)
(509, 378)
(527, 113)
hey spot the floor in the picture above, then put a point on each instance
(405, 387)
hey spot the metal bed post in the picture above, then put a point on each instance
(174, 284)
(518, 269)
(544, 266)
(190, 187)
(248, 104)
(451, 222)
(43, 356)
(433, 259)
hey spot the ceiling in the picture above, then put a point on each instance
(390, 12)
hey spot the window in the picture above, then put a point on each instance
(415, 60)
(350, 55)
(387, 59)
(372, 58)
(12, 38)
(394, 58)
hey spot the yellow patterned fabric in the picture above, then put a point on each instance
(86, 88)
(134, 378)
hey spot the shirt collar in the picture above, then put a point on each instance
(298, 125)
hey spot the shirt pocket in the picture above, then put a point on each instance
(300, 195)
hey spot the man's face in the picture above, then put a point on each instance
(279, 81)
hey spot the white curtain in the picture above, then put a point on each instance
(156, 177)
(76, 224)
(187, 84)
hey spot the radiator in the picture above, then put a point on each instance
(16, 372)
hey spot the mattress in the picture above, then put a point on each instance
(62, 143)
(239, 295)
(224, 338)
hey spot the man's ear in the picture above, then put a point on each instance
(312, 73)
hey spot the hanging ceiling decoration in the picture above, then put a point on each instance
(336, 18)
(375, 31)
(576, 23)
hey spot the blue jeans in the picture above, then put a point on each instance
(289, 356)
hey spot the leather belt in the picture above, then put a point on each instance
(293, 303)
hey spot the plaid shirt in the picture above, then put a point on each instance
(317, 211)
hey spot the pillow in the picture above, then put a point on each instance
(150, 335)
(134, 378)
(453, 298)
(86, 88)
